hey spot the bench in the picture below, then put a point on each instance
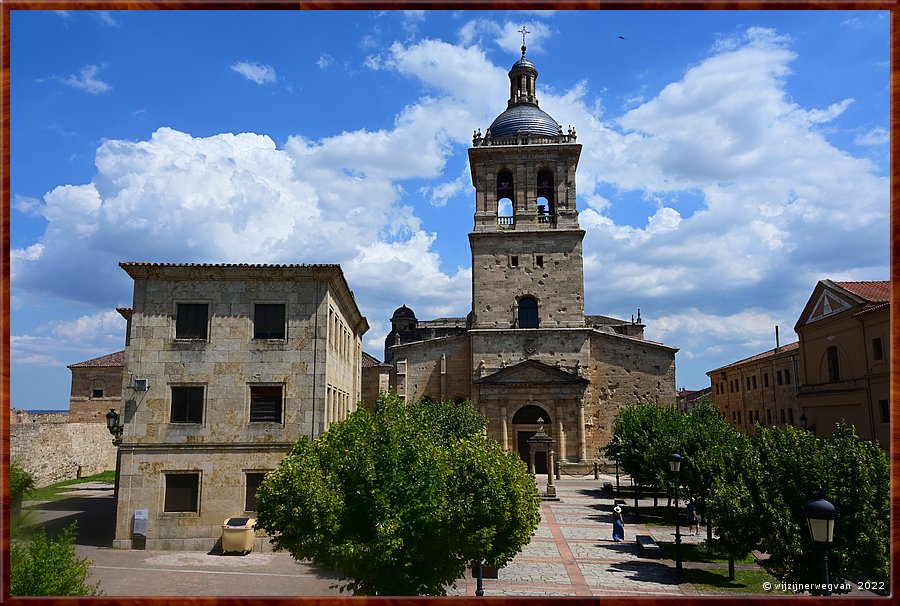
(646, 544)
(619, 502)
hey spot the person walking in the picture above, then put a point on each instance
(693, 518)
(618, 530)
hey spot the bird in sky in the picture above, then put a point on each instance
(622, 38)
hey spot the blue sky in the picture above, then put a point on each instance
(731, 159)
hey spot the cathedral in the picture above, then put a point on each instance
(527, 355)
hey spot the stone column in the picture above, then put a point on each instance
(531, 461)
(551, 487)
(560, 431)
(582, 440)
(504, 429)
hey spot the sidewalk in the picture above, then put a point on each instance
(571, 554)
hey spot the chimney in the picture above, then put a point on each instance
(776, 338)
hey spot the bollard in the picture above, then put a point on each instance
(596, 470)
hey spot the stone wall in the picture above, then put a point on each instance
(53, 451)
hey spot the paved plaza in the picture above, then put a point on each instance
(571, 554)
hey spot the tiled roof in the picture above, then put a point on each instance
(369, 361)
(289, 265)
(109, 360)
(601, 320)
(873, 292)
(760, 356)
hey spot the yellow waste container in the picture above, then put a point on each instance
(238, 535)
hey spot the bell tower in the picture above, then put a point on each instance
(527, 263)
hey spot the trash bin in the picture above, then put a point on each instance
(238, 535)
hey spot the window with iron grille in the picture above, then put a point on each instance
(268, 321)
(265, 403)
(191, 321)
(182, 492)
(834, 368)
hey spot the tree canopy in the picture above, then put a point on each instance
(398, 501)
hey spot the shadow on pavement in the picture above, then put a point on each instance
(646, 572)
(96, 517)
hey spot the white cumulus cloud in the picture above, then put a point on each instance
(255, 72)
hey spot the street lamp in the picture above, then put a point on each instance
(637, 515)
(803, 421)
(820, 515)
(675, 466)
(114, 427)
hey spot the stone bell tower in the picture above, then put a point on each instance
(527, 263)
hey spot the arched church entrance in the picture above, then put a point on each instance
(525, 423)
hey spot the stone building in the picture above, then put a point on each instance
(687, 399)
(225, 367)
(844, 332)
(96, 388)
(759, 389)
(375, 379)
(837, 371)
(526, 354)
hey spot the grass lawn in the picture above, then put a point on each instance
(745, 581)
(53, 491)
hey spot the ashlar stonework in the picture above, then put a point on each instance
(526, 354)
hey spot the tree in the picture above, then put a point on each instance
(398, 501)
(20, 482)
(732, 499)
(853, 475)
(48, 566)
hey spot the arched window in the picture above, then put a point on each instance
(528, 313)
(531, 415)
(545, 198)
(505, 204)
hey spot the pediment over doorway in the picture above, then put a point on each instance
(531, 372)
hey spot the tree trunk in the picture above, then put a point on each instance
(708, 535)
(730, 568)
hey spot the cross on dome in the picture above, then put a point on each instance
(523, 31)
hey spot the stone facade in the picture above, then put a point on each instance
(375, 379)
(52, 450)
(225, 367)
(839, 370)
(759, 389)
(526, 354)
(845, 353)
(96, 388)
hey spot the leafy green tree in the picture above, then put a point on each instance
(644, 435)
(398, 501)
(707, 445)
(732, 500)
(49, 566)
(854, 477)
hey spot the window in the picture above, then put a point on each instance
(779, 377)
(768, 416)
(885, 411)
(254, 479)
(187, 404)
(782, 416)
(787, 377)
(97, 393)
(754, 381)
(268, 321)
(748, 383)
(513, 261)
(791, 415)
(765, 379)
(265, 403)
(834, 368)
(528, 313)
(539, 260)
(182, 492)
(191, 321)
(877, 349)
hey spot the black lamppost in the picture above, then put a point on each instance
(820, 515)
(637, 515)
(479, 577)
(803, 421)
(114, 427)
(675, 466)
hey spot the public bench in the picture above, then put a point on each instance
(646, 544)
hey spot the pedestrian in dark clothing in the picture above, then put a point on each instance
(693, 518)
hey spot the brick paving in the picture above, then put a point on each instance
(571, 554)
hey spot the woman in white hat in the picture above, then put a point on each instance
(618, 531)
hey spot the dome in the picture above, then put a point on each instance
(521, 118)
(523, 62)
(403, 313)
